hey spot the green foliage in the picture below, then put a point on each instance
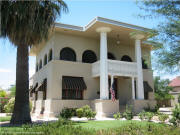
(162, 89)
(13, 91)
(169, 31)
(29, 20)
(163, 117)
(65, 127)
(79, 112)
(128, 114)
(3, 93)
(146, 115)
(85, 111)
(67, 113)
(179, 99)
(88, 113)
(3, 102)
(9, 106)
(176, 115)
(7, 118)
(117, 116)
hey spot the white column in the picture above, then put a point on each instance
(133, 89)
(140, 87)
(104, 92)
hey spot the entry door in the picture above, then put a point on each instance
(114, 86)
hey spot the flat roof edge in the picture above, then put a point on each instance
(117, 23)
(103, 20)
(67, 26)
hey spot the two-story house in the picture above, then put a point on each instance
(77, 66)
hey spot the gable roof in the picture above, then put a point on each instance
(175, 82)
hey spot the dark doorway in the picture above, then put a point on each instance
(114, 87)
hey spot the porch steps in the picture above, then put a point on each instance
(166, 110)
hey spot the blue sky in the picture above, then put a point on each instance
(80, 13)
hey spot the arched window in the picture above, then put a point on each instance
(36, 67)
(50, 55)
(89, 57)
(144, 64)
(67, 54)
(45, 60)
(40, 64)
(126, 58)
(111, 56)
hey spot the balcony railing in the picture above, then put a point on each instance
(116, 68)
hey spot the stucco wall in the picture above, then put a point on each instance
(68, 68)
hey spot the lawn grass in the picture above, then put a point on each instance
(115, 127)
(109, 124)
(7, 118)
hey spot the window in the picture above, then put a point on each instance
(50, 55)
(45, 60)
(73, 87)
(89, 57)
(67, 54)
(40, 64)
(126, 58)
(111, 56)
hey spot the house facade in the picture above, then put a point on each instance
(77, 66)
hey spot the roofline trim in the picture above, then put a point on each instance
(103, 20)
(67, 26)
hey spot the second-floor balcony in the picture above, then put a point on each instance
(116, 68)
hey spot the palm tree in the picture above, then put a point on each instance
(25, 24)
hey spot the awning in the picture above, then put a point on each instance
(73, 83)
(147, 87)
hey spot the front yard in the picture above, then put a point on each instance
(108, 127)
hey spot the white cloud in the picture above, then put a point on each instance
(5, 70)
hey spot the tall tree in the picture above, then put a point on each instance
(168, 55)
(25, 24)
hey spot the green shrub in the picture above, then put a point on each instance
(148, 116)
(142, 115)
(3, 93)
(145, 115)
(117, 116)
(163, 117)
(128, 114)
(3, 102)
(176, 116)
(79, 112)
(67, 113)
(9, 106)
(87, 112)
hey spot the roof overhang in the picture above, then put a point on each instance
(120, 29)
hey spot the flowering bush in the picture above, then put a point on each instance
(3, 102)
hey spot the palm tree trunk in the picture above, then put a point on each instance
(21, 112)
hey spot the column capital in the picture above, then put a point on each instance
(137, 36)
(103, 29)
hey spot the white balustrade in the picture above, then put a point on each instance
(116, 68)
